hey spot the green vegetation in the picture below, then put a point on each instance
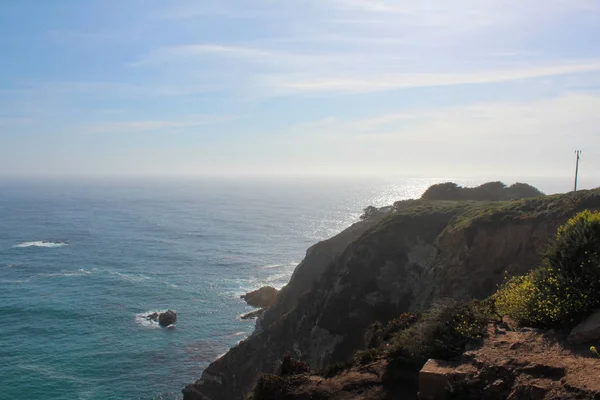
(441, 333)
(491, 191)
(404, 321)
(368, 212)
(464, 213)
(289, 366)
(271, 387)
(363, 357)
(335, 369)
(278, 386)
(567, 287)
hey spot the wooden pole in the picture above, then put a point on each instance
(578, 154)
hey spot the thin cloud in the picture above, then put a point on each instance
(265, 56)
(360, 84)
(378, 6)
(167, 54)
(145, 126)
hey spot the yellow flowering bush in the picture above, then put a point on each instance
(567, 287)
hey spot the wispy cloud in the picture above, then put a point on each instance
(286, 72)
(536, 136)
(552, 119)
(173, 53)
(379, 6)
(149, 126)
(365, 84)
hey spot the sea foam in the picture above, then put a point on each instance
(40, 243)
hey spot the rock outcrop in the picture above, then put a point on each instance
(167, 318)
(381, 267)
(253, 314)
(262, 298)
(587, 331)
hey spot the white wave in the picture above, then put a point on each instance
(287, 265)
(50, 373)
(83, 271)
(130, 277)
(272, 266)
(79, 272)
(40, 243)
(278, 278)
(10, 281)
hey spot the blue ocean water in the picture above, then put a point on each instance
(82, 262)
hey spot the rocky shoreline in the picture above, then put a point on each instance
(404, 258)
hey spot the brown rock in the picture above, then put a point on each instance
(263, 297)
(587, 331)
(435, 379)
(253, 314)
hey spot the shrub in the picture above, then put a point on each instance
(441, 333)
(335, 369)
(368, 212)
(567, 287)
(366, 356)
(575, 252)
(517, 299)
(270, 387)
(404, 321)
(289, 366)
(373, 335)
(490, 191)
(522, 191)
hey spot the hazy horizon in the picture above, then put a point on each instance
(310, 184)
(329, 88)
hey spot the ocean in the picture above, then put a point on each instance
(81, 263)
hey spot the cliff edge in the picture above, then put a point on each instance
(398, 260)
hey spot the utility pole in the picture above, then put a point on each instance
(578, 154)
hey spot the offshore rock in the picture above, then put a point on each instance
(167, 318)
(262, 298)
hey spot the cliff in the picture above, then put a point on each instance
(378, 268)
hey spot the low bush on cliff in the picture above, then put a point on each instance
(441, 333)
(567, 287)
(363, 357)
(404, 321)
(289, 366)
(279, 386)
(490, 191)
(270, 387)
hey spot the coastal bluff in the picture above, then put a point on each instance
(401, 258)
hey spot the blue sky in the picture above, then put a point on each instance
(313, 87)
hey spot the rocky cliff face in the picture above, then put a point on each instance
(379, 268)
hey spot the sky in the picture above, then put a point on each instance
(425, 88)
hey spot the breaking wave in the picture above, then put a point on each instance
(40, 243)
